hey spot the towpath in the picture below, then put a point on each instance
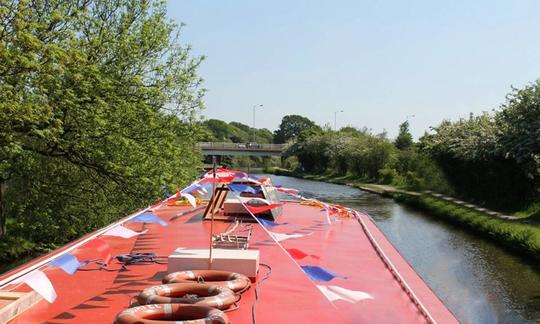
(389, 190)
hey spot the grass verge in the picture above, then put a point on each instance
(520, 237)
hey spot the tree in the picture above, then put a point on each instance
(291, 126)
(404, 140)
(518, 124)
(98, 109)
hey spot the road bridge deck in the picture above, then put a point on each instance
(242, 149)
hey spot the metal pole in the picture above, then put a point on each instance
(212, 215)
(255, 106)
(335, 119)
(254, 123)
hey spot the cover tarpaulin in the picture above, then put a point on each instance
(97, 296)
(148, 217)
(38, 281)
(67, 262)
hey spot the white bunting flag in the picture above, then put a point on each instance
(334, 293)
(282, 236)
(123, 232)
(38, 281)
(191, 199)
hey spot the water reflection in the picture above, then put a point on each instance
(478, 281)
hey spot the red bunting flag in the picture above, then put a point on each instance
(217, 179)
(289, 191)
(103, 249)
(261, 209)
(299, 254)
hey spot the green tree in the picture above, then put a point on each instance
(291, 126)
(518, 124)
(98, 113)
(404, 140)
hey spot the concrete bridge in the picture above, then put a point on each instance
(244, 149)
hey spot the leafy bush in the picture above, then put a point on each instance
(389, 176)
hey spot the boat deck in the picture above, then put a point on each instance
(342, 246)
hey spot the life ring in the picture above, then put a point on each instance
(237, 282)
(188, 293)
(171, 314)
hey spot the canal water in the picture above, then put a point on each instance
(478, 281)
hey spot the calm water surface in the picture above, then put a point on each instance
(478, 281)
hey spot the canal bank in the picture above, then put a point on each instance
(511, 233)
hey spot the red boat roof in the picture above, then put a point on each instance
(372, 282)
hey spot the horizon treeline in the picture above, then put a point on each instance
(99, 104)
(491, 159)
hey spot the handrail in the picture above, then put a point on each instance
(241, 146)
(412, 296)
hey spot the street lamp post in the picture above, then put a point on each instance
(335, 118)
(255, 106)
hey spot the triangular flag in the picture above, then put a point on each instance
(103, 249)
(217, 180)
(299, 254)
(67, 262)
(334, 293)
(289, 191)
(148, 217)
(240, 175)
(267, 223)
(38, 281)
(123, 232)
(191, 188)
(317, 273)
(237, 187)
(282, 236)
(191, 199)
(261, 209)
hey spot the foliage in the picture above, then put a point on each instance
(518, 123)
(235, 132)
(404, 140)
(357, 152)
(98, 108)
(493, 159)
(291, 126)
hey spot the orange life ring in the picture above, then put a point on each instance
(188, 293)
(171, 314)
(237, 282)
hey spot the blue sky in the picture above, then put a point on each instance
(379, 61)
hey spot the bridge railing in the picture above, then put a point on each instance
(242, 146)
